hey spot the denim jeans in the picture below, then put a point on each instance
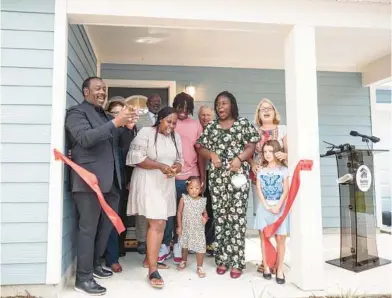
(171, 223)
(115, 243)
(112, 249)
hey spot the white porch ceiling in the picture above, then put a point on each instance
(338, 49)
(360, 1)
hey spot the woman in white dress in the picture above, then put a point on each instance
(156, 155)
(267, 120)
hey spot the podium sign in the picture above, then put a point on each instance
(358, 243)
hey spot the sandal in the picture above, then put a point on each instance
(182, 265)
(116, 267)
(156, 280)
(159, 266)
(260, 269)
(200, 272)
(235, 273)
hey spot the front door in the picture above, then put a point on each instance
(126, 92)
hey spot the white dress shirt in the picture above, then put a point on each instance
(153, 117)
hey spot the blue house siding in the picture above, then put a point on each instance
(383, 96)
(26, 92)
(82, 63)
(341, 99)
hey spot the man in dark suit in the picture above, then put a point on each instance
(94, 138)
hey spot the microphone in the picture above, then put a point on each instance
(371, 138)
(345, 179)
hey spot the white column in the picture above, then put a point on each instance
(56, 183)
(377, 126)
(390, 154)
(306, 243)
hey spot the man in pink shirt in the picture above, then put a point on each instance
(189, 131)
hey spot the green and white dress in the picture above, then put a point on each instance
(229, 204)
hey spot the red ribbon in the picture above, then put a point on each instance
(92, 181)
(269, 231)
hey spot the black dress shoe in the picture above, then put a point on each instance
(267, 276)
(99, 272)
(280, 281)
(141, 248)
(89, 287)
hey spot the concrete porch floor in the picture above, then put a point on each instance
(132, 282)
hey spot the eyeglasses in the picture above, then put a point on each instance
(269, 109)
(114, 113)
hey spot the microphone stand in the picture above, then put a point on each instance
(366, 140)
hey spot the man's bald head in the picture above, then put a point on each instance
(154, 103)
(206, 115)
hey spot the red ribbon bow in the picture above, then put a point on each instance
(92, 181)
(269, 231)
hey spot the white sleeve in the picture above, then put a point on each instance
(138, 149)
(282, 131)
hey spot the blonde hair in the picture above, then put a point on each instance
(257, 120)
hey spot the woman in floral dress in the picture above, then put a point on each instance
(228, 142)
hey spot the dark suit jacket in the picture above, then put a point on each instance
(95, 146)
(125, 142)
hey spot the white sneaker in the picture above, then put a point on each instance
(164, 253)
(177, 255)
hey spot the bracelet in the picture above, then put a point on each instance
(239, 158)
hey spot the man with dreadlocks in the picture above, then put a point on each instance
(189, 131)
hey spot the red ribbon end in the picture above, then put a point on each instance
(306, 164)
(56, 154)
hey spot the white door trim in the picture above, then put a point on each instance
(56, 182)
(374, 106)
(171, 85)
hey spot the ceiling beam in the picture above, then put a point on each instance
(377, 71)
(230, 15)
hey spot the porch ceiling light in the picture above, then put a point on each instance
(148, 40)
(190, 89)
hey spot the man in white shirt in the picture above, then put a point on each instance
(149, 119)
(154, 105)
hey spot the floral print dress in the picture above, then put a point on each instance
(229, 204)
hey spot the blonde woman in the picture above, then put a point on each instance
(267, 122)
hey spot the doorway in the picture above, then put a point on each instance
(125, 88)
(129, 91)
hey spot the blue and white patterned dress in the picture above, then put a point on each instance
(271, 182)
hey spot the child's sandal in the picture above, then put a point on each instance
(260, 269)
(200, 272)
(182, 265)
(156, 280)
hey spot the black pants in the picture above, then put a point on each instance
(123, 215)
(94, 229)
(210, 226)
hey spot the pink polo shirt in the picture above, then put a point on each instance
(189, 131)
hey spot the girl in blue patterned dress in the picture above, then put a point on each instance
(272, 188)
